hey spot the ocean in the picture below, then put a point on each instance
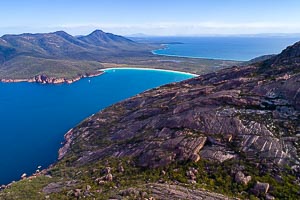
(35, 117)
(226, 48)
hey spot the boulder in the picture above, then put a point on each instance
(24, 176)
(241, 178)
(269, 197)
(121, 168)
(261, 188)
(88, 187)
(109, 177)
(77, 193)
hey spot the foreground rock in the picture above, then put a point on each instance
(165, 191)
(241, 178)
(261, 188)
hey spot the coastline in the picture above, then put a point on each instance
(192, 57)
(43, 79)
(149, 69)
(68, 136)
(167, 46)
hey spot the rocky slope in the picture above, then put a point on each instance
(235, 132)
(188, 120)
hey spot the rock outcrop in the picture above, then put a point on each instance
(241, 178)
(165, 191)
(193, 119)
(261, 188)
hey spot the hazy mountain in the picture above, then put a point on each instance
(100, 38)
(62, 45)
(28, 55)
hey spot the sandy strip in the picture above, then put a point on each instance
(148, 69)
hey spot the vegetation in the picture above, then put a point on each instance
(25, 67)
(212, 176)
(60, 55)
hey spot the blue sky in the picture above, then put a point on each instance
(152, 17)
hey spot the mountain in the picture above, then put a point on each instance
(43, 53)
(99, 38)
(62, 58)
(62, 45)
(235, 132)
(258, 59)
(289, 56)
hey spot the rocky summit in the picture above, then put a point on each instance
(235, 132)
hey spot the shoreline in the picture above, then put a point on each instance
(192, 57)
(68, 135)
(43, 79)
(149, 69)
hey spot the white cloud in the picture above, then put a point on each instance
(171, 28)
(190, 28)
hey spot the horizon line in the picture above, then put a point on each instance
(142, 35)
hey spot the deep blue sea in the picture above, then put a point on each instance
(35, 117)
(227, 48)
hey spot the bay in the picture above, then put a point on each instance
(34, 117)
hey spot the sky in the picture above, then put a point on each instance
(151, 17)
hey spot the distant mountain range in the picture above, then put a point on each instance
(62, 56)
(59, 57)
(61, 45)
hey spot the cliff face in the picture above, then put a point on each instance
(235, 131)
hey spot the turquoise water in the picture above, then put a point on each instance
(227, 48)
(35, 117)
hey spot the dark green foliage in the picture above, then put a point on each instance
(213, 176)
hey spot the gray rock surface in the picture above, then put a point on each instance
(241, 178)
(167, 191)
(216, 116)
(261, 188)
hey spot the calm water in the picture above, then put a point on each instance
(228, 48)
(35, 117)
